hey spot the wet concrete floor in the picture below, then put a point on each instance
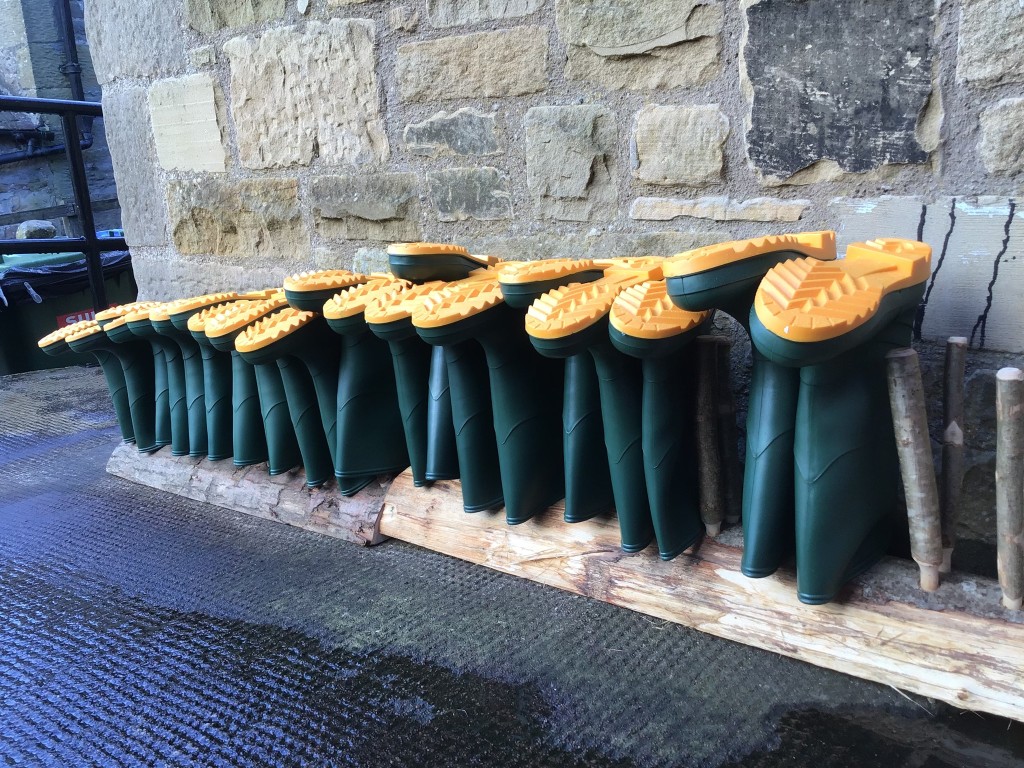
(140, 628)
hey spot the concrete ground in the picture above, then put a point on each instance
(138, 627)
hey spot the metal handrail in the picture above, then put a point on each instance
(91, 245)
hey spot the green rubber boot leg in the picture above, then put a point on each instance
(195, 396)
(217, 386)
(768, 501)
(139, 373)
(304, 411)
(282, 447)
(322, 362)
(163, 404)
(588, 482)
(621, 381)
(248, 439)
(411, 360)
(118, 390)
(442, 453)
(474, 426)
(177, 397)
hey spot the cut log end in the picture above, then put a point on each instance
(929, 577)
(713, 529)
(1012, 603)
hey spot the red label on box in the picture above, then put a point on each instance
(74, 317)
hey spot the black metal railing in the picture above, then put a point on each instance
(89, 244)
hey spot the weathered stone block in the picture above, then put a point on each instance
(208, 16)
(253, 218)
(133, 155)
(343, 3)
(509, 62)
(1002, 140)
(186, 130)
(203, 56)
(381, 206)
(977, 261)
(989, 50)
(453, 13)
(679, 145)
(403, 18)
(718, 208)
(470, 193)
(297, 95)
(640, 44)
(35, 229)
(465, 132)
(132, 39)
(845, 81)
(595, 245)
(570, 156)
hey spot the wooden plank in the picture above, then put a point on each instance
(282, 498)
(946, 645)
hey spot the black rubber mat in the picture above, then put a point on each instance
(140, 628)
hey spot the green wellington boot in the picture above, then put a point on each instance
(725, 277)
(644, 323)
(324, 359)
(137, 365)
(389, 317)
(835, 322)
(261, 424)
(171, 321)
(573, 320)
(56, 344)
(588, 483)
(168, 352)
(370, 435)
(526, 389)
(447, 262)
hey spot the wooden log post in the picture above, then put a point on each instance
(952, 446)
(906, 398)
(712, 508)
(1010, 484)
(732, 472)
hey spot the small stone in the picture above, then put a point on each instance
(508, 62)
(250, 219)
(718, 209)
(208, 16)
(203, 56)
(470, 193)
(183, 112)
(679, 145)
(465, 132)
(453, 13)
(35, 229)
(684, 65)
(403, 18)
(989, 51)
(382, 206)
(570, 155)
(1002, 140)
(297, 95)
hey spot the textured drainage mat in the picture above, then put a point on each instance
(141, 628)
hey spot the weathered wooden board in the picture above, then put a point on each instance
(949, 647)
(252, 490)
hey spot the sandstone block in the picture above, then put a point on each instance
(35, 229)
(1002, 140)
(679, 145)
(641, 44)
(465, 132)
(203, 56)
(208, 16)
(570, 156)
(255, 218)
(718, 209)
(381, 206)
(297, 95)
(132, 39)
(989, 50)
(453, 13)
(133, 155)
(186, 130)
(470, 193)
(596, 245)
(845, 82)
(403, 18)
(509, 62)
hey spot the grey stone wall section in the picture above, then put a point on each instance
(380, 206)
(990, 50)
(298, 94)
(470, 193)
(509, 62)
(454, 13)
(570, 161)
(465, 132)
(133, 153)
(131, 38)
(844, 81)
(1002, 137)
